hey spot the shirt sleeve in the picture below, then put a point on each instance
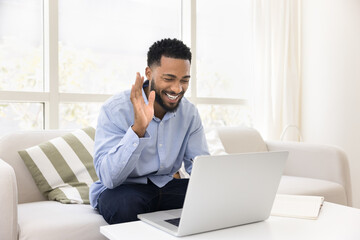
(197, 144)
(117, 150)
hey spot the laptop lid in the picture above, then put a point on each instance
(225, 191)
(231, 190)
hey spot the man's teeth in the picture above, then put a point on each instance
(172, 97)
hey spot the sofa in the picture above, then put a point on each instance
(311, 169)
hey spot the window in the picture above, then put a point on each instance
(59, 65)
(21, 64)
(224, 65)
(214, 115)
(224, 62)
(21, 45)
(17, 115)
(102, 45)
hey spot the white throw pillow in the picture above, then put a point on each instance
(214, 143)
(215, 147)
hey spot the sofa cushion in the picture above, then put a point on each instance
(241, 140)
(331, 191)
(52, 220)
(63, 167)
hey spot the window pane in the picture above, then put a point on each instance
(224, 65)
(79, 115)
(102, 44)
(21, 116)
(21, 45)
(224, 115)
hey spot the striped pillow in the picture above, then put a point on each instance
(63, 167)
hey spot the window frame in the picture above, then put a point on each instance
(51, 97)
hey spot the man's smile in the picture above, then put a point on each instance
(172, 96)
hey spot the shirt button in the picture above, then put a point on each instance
(134, 144)
(160, 145)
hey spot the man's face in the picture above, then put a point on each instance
(170, 81)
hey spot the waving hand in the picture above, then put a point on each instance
(143, 113)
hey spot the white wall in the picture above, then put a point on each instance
(331, 78)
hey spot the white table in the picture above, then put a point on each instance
(334, 222)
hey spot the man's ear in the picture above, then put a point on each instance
(148, 73)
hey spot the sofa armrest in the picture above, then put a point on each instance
(8, 202)
(316, 161)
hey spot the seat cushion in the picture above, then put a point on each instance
(331, 191)
(52, 220)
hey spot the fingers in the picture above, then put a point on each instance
(142, 113)
(132, 93)
(136, 89)
(139, 82)
(136, 92)
(151, 99)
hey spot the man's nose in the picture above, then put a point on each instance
(177, 88)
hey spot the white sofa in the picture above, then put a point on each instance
(26, 214)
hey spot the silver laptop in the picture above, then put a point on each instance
(224, 191)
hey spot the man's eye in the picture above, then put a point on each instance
(168, 79)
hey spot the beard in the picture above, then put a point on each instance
(159, 100)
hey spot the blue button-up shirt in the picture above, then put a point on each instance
(121, 157)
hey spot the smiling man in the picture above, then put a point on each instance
(143, 137)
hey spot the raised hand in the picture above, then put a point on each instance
(143, 113)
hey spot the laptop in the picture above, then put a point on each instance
(224, 191)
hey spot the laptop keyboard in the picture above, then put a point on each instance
(174, 221)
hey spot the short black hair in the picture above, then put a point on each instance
(167, 47)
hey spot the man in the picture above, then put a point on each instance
(143, 137)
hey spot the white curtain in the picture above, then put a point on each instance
(276, 102)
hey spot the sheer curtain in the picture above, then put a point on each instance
(276, 102)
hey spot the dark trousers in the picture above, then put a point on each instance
(123, 203)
